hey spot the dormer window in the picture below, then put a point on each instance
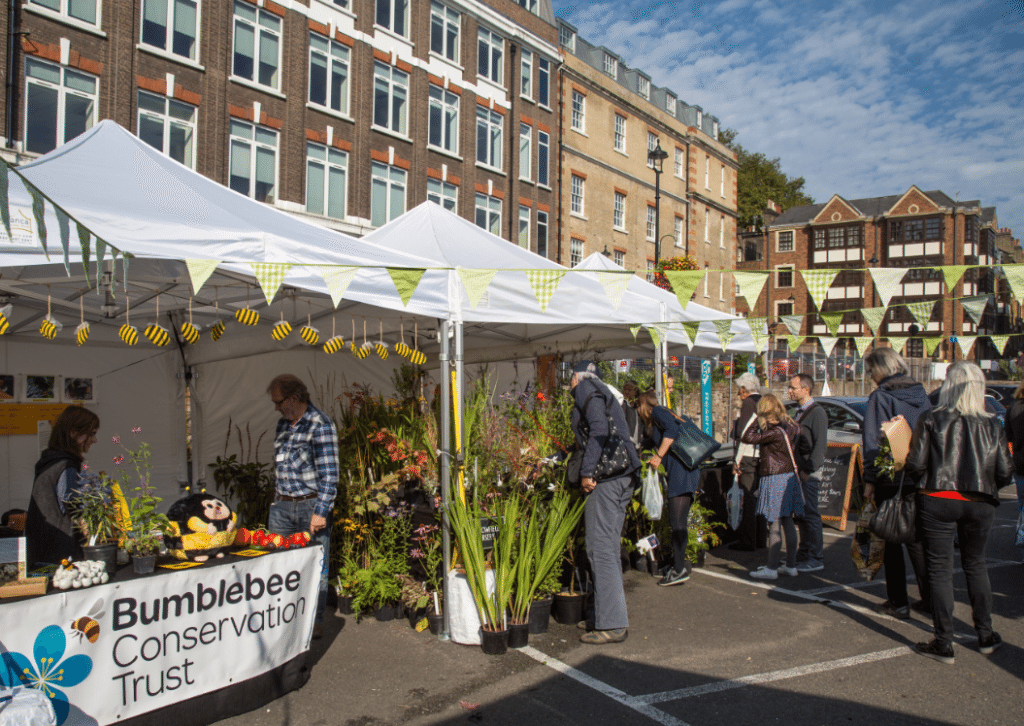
(611, 65)
(670, 104)
(644, 87)
(566, 38)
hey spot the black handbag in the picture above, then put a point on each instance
(614, 460)
(895, 519)
(691, 445)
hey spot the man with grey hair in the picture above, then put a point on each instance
(810, 457)
(751, 533)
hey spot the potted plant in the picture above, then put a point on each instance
(427, 550)
(142, 527)
(94, 511)
(414, 598)
(376, 588)
(702, 534)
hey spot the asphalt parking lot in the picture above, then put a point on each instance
(721, 649)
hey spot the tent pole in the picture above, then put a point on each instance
(659, 385)
(444, 467)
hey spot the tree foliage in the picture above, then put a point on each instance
(760, 179)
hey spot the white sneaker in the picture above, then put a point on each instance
(763, 573)
(788, 571)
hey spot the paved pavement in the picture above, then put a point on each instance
(721, 649)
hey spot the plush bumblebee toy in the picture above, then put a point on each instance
(202, 526)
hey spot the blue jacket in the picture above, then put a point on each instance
(895, 395)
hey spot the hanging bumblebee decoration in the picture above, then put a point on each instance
(218, 328)
(5, 316)
(415, 356)
(50, 325)
(189, 331)
(336, 342)
(382, 347)
(401, 348)
(247, 316)
(157, 334)
(128, 332)
(82, 331)
(307, 332)
(282, 328)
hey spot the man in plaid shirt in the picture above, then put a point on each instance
(306, 466)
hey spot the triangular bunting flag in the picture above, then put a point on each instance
(952, 274)
(83, 242)
(684, 283)
(795, 341)
(931, 343)
(922, 312)
(873, 318)
(897, 344)
(725, 334)
(965, 342)
(634, 329)
(692, 328)
(406, 279)
(337, 280)
(758, 332)
(198, 270)
(818, 282)
(862, 345)
(5, 210)
(656, 332)
(476, 283)
(64, 227)
(614, 284)
(751, 284)
(38, 210)
(544, 284)
(270, 275)
(974, 307)
(1015, 279)
(999, 341)
(827, 343)
(832, 321)
(793, 323)
(887, 281)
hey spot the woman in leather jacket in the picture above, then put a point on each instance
(959, 454)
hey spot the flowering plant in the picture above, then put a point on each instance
(427, 550)
(93, 510)
(140, 523)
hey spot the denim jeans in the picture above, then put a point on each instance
(939, 519)
(290, 517)
(812, 540)
(603, 515)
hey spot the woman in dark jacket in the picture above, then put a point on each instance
(897, 394)
(960, 455)
(1014, 427)
(48, 527)
(682, 483)
(780, 496)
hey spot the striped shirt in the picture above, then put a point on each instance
(306, 458)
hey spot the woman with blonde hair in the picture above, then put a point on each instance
(780, 496)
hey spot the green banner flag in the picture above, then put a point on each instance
(476, 283)
(5, 210)
(887, 281)
(38, 211)
(795, 342)
(337, 279)
(406, 280)
(951, 274)
(83, 242)
(818, 282)
(974, 307)
(270, 275)
(634, 329)
(684, 283)
(692, 328)
(544, 284)
(873, 318)
(931, 344)
(751, 284)
(862, 345)
(198, 270)
(922, 312)
(828, 344)
(999, 341)
(897, 344)
(758, 332)
(1015, 279)
(793, 323)
(832, 321)
(614, 284)
(725, 334)
(64, 230)
(965, 342)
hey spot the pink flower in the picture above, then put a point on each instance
(417, 554)
(116, 439)
(85, 467)
(136, 429)
(118, 459)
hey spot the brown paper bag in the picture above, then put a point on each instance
(898, 432)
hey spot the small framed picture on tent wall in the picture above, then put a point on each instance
(40, 389)
(78, 389)
(8, 388)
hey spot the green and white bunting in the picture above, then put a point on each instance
(922, 312)
(614, 284)
(818, 282)
(692, 328)
(64, 230)
(832, 321)
(476, 283)
(887, 281)
(83, 242)
(751, 284)
(1015, 279)
(898, 344)
(684, 283)
(5, 210)
(999, 341)
(725, 334)
(270, 275)
(793, 323)
(828, 344)
(634, 329)
(406, 280)
(658, 332)
(337, 280)
(198, 270)
(38, 211)
(795, 341)
(974, 307)
(951, 274)
(931, 344)
(862, 345)
(873, 318)
(965, 342)
(544, 284)
(758, 332)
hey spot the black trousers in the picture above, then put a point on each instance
(895, 566)
(753, 530)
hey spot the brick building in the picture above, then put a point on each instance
(612, 116)
(915, 229)
(345, 112)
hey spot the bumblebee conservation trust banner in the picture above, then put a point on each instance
(111, 652)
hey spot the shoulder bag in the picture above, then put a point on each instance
(894, 520)
(691, 445)
(614, 460)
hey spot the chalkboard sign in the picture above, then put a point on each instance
(842, 468)
(488, 531)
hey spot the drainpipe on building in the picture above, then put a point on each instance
(513, 137)
(12, 37)
(561, 152)
(952, 346)
(689, 203)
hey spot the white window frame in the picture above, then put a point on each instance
(543, 82)
(266, 26)
(393, 181)
(567, 38)
(335, 160)
(700, 119)
(611, 65)
(524, 226)
(170, 24)
(543, 166)
(491, 123)
(168, 121)
(579, 111)
(63, 92)
(620, 133)
(679, 163)
(490, 51)
(619, 212)
(397, 20)
(707, 226)
(445, 105)
(721, 183)
(445, 19)
(706, 280)
(575, 251)
(336, 55)
(721, 232)
(619, 258)
(677, 228)
(254, 144)
(542, 233)
(577, 195)
(490, 208)
(650, 270)
(707, 173)
(525, 151)
(526, 74)
(644, 86)
(651, 218)
(670, 104)
(395, 86)
(721, 286)
(443, 193)
(64, 12)
(652, 143)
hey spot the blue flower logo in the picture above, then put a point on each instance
(50, 674)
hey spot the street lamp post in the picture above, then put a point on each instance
(657, 157)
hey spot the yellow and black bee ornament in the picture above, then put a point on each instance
(82, 333)
(5, 316)
(157, 334)
(190, 333)
(129, 334)
(217, 330)
(246, 316)
(49, 327)
(309, 334)
(281, 330)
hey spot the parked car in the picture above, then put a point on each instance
(845, 416)
(992, 404)
(1002, 392)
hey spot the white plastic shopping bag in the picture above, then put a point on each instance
(734, 504)
(651, 493)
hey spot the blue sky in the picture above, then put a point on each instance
(861, 98)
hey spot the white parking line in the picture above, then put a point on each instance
(910, 578)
